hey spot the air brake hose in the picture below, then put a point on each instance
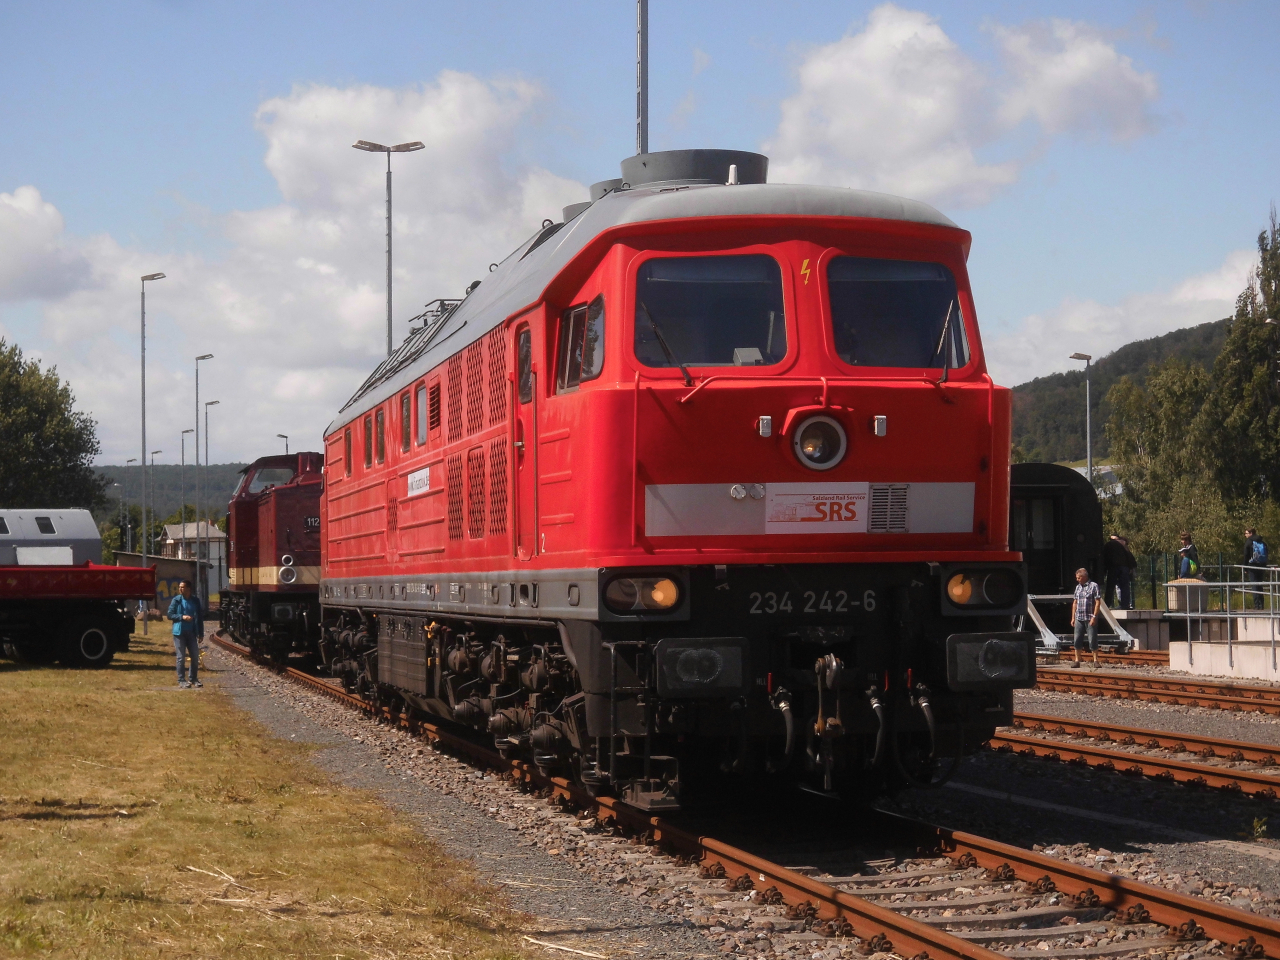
(782, 703)
(878, 708)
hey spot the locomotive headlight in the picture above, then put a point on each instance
(985, 590)
(991, 661)
(701, 667)
(631, 594)
(288, 575)
(960, 588)
(820, 443)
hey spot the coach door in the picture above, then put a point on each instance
(526, 447)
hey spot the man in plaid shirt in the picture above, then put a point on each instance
(1084, 614)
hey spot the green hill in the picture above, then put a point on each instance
(168, 484)
(1048, 412)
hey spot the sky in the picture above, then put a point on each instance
(1114, 162)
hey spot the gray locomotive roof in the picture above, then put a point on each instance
(521, 278)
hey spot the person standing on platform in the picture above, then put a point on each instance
(1255, 563)
(1084, 615)
(1119, 565)
(188, 629)
(1189, 558)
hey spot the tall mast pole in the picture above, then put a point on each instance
(642, 76)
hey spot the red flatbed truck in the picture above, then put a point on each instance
(73, 614)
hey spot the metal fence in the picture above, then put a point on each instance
(1157, 569)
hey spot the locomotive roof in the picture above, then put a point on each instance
(520, 280)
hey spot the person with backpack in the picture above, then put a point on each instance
(1189, 567)
(1255, 560)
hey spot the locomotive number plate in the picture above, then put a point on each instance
(810, 601)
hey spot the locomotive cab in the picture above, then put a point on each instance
(272, 603)
(735, 488)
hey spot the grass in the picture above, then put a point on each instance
(137, 820)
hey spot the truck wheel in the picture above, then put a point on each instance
(87, 642)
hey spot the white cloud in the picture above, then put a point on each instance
(1041, 343)
(899, 107)
(295, 310)
(701, 60)
(34, 261)
(1067, 76)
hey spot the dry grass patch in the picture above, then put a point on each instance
(139, 820)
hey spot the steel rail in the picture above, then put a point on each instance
(1139, 658)
(1138, 764)
(1207, 747)
(1227, 696)
(1186, 917)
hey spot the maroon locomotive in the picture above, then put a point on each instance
(272, 604)
(709, 475)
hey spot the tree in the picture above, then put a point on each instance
(1239, 425)
(48, 446)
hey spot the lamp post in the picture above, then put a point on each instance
(207, 405)
(121, 489)
(127, 523)
(182, 487)
(1088, 414)
(642, 76)
(153, 498)
(203, 356)
(149, 276)
(285, 438)
(379, 148)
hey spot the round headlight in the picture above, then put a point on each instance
(960, 589)
(699, 665)
(288, 575)
(286, 560)
(820, 443)
(1001, 589)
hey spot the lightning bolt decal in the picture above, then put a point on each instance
(804, 269)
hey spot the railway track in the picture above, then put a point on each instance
(955, 895)
(1037, 743)
(1195, 693)
(1134, 658)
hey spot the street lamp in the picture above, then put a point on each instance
(379, 148)
(203, 356)
(149, 276)
(207, 405)
(149, 533)
(285, 438)
(1088, 414)
(126, 477)
(182, 487)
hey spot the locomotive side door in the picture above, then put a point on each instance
(525, 442)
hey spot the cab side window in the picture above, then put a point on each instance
(524, 361)
(421, 403)
(406, 421)
(346, 450)
(382, 436)
(580, 353)
(368, 442)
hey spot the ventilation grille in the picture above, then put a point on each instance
(453, 484)
(433, 406)
(498, 485)
(888, 508)
(475, 387)
(455, 397)
(475, 493)
(497, 377)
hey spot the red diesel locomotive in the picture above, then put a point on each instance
(709, 476)
(273, 524)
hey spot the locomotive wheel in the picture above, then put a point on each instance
(86, 642)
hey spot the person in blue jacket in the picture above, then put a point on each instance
(188, 628)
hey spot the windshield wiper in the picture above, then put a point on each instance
(946, 354)
(662, 342)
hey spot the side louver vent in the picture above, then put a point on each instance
(888, 508)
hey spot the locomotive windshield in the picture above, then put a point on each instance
(268, 477)
(710, 312)
(896, 313)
